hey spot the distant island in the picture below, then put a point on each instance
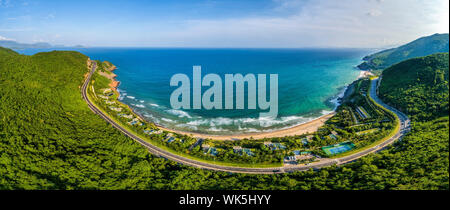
(39, 45)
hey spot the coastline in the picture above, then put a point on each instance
(300, 129)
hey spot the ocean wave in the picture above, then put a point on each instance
(167, 120)
(131, 97)
(191, 127)
(141, 101)
(242, 123)
(214, 129)
(155, 105)
(122, 94)
(178, 113)
(152, 118)
(140, 105)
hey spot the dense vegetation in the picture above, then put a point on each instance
(423, 46)
(418, 86)
(49, 139)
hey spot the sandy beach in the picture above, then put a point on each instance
(308, 127)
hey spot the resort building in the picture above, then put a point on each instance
(209, 150)
(152, 131)
(128, 116)
(237, 149)
(290, 160)
(274, 146)
(248, 152)
(135, 121)
(362, 112)
(240, 150)
(117, 109)
(334, 135)
(267, 143)
(169, 138)
(205, 146)
(107, 90)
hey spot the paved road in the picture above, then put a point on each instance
(186, 161)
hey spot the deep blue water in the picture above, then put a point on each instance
(309, 80)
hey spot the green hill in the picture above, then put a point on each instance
(418, 86)
(423, 46)
(50, 139)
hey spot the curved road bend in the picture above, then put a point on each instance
(186, 161)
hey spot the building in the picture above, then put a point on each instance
(128, 116)
(135, 121)
(237, 149)
(117, 109)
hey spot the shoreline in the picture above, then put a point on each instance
(300, 129)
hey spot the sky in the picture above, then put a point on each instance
(226, 23)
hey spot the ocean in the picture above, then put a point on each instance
(309, 82)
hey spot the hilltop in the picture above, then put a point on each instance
(423, 46)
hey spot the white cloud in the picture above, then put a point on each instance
(5, 39)
(318, 23)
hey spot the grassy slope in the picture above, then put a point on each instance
(49, 139)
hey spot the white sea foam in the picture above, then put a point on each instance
(155, 105)
(141, 101)
(131, 97)
(336, 100)
(122, 94)
(252, 130)
(140, 105)
(152, 118)
(191, 127)
(167, 120)
(242, 123)
(179, 113)
(215, 129)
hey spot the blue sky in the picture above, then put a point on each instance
(230, 23)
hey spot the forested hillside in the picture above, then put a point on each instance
(423, 46)
(49, 139)
(418, 86)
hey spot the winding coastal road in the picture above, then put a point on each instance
(404, 128)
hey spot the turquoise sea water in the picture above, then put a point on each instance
(309, 82)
